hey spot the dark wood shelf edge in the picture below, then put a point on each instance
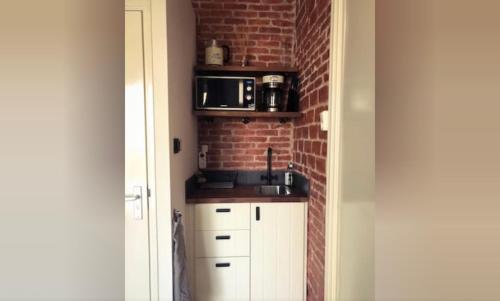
(254, 69)
(248, 114)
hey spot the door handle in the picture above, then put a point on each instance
(132, 197)
(135, 200)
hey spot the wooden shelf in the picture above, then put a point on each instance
(247, 69)
(246, 115)
(249, 114)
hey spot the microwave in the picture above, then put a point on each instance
(225, 93)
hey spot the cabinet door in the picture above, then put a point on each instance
(277, 262)
(222, 279)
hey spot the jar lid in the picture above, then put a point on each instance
(273, 79)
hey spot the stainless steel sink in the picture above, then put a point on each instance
(274, 190)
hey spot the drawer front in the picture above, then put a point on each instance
(222, 243)
(222, 216)
(222, 279)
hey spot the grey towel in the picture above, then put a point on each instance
(181, 286)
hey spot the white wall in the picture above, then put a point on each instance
(181, 41)
(357, 163)
(438, 170)
(62, 150)
(181, 27)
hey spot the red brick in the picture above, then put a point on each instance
(243, 158)
(238, 21)
(255, 139)
(234, 6)
(255, 151)
(259, 7)
(233, 139)
(246, 14)
(222, 145)
(259, 21)
(264, 29)
(279, 139)
(285, 7)
(258, 126)
(323, 94)
(267, 132)
(316, 148)
(243, 145)
(233, 165)
(273, 15)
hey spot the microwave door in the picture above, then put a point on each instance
(222, 93)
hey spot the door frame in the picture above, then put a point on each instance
(334, 166)
(158, 146)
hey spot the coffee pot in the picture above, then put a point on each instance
(273, 85)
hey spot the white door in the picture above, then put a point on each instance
(277, 260)
(137, 263)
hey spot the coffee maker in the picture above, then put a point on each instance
(273, 92)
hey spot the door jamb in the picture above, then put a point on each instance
(334, 167)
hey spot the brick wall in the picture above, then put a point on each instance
(261, 29)
(310, 144)
(264, 30)
(234, 145)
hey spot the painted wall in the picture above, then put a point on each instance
(437, 150)
(310, 144)
(62, 157)
(183, 125)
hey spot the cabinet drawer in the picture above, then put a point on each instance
(222, 216)
(222, 243)
(222, 279)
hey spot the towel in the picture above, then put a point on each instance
(181, 286)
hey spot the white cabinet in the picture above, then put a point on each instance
(222, 279)
(222, 243)
(250, 251)
(222, 216)
(278, 251)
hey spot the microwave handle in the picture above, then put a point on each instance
(205, 97)
(241, 93)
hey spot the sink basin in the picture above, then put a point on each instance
(274, 190)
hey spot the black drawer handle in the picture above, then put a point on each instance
(222, 210)
(257, 213)
(222, 265)
(221, 237)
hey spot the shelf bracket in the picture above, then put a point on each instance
(209, 119)
(284, 119)
(245, 120)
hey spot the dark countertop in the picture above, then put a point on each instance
(241, 194)
(246, 189)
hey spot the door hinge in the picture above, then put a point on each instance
(149, 192)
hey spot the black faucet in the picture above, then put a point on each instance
(269, 176)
